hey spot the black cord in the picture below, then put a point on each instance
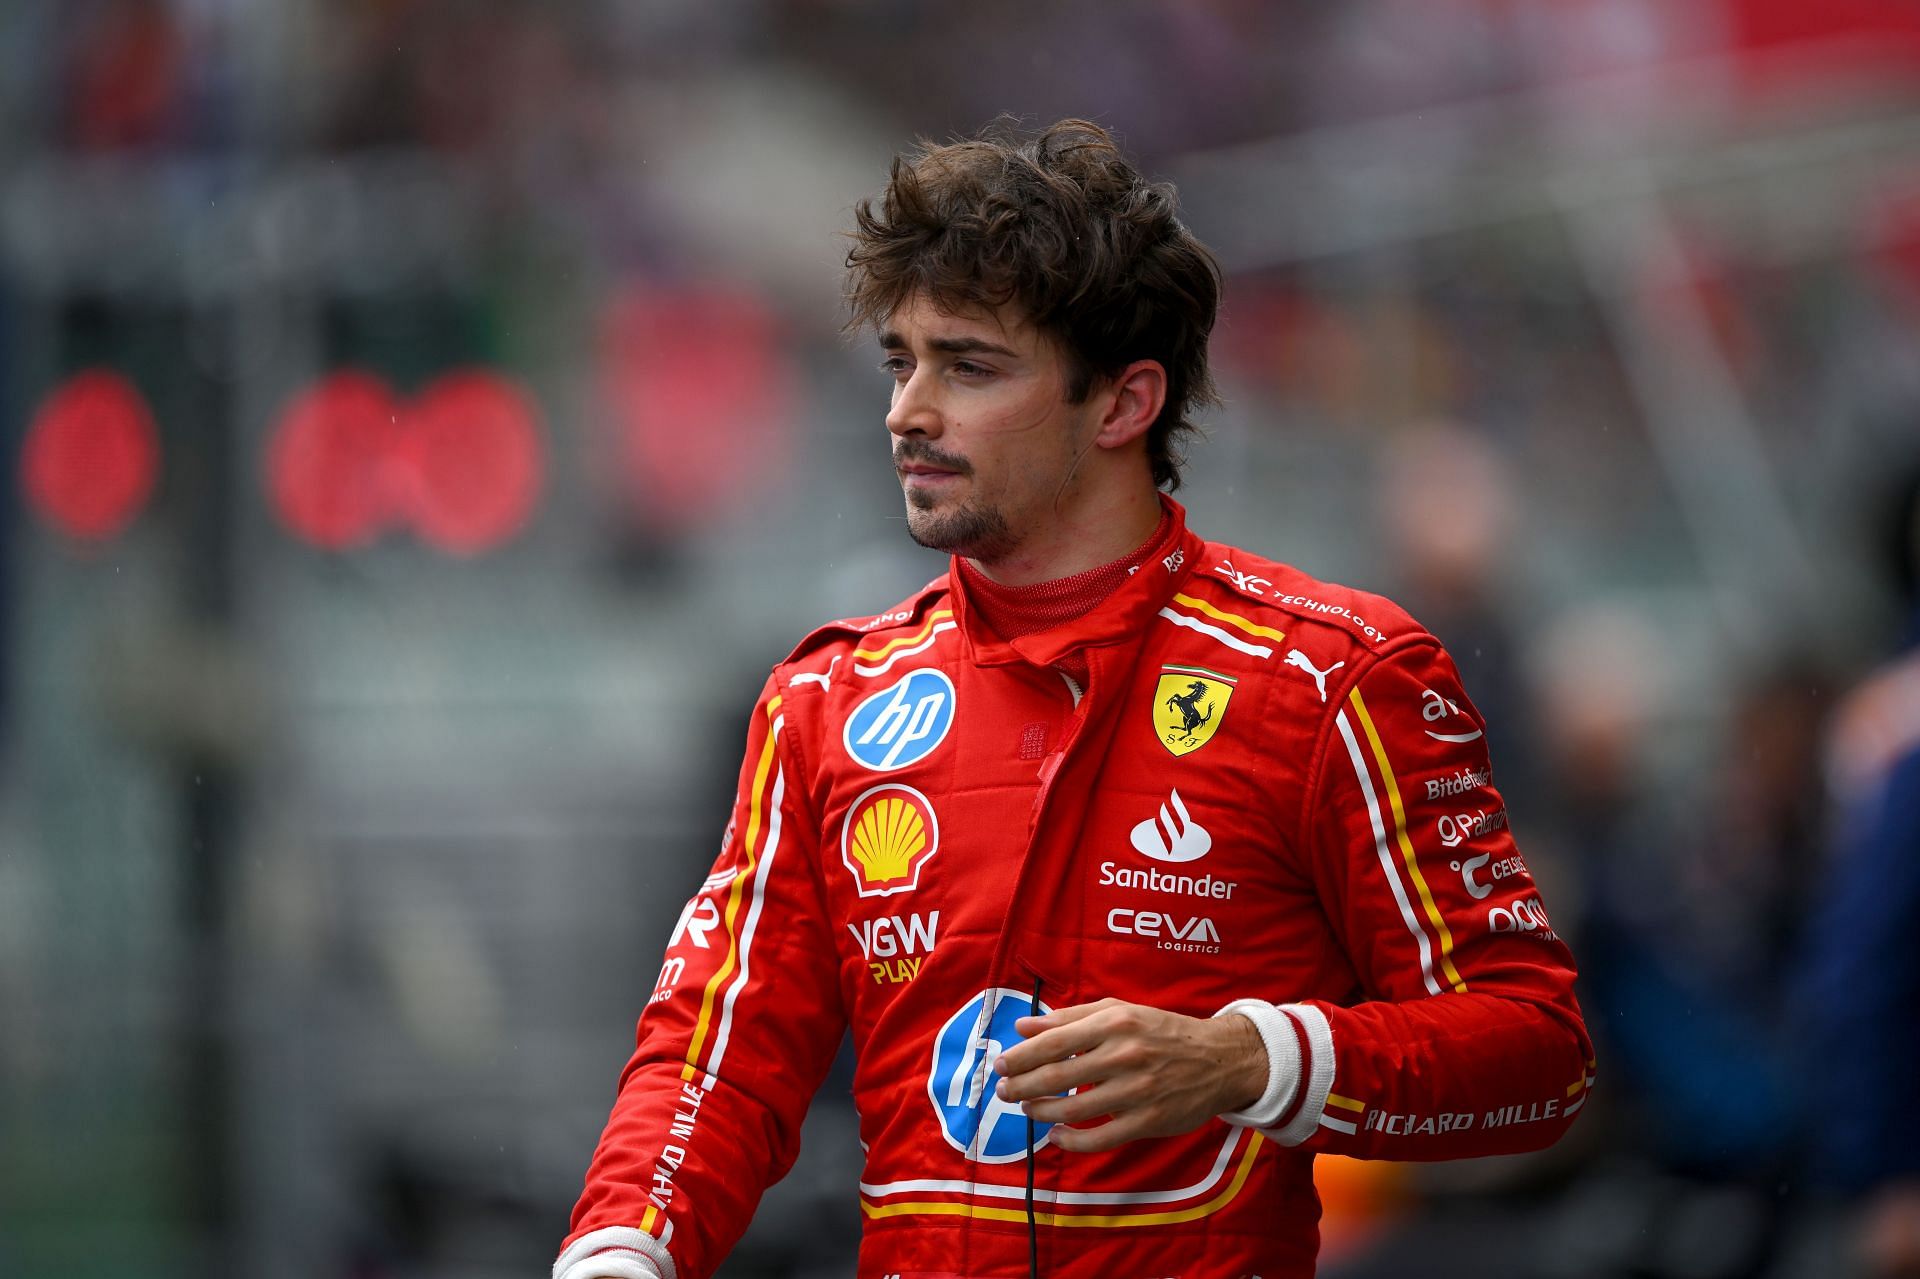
(1033, 1228)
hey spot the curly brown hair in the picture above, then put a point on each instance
(1062, 226)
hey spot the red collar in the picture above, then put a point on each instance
(1121, 616)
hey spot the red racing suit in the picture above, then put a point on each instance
(1267, 787)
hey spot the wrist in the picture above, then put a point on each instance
(1247, 1065)
(1273, 1072)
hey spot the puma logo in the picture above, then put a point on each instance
(824, 681)
(1296, 658)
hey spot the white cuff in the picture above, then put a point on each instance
(1316, 1077)
(1283, 1062)
(616, 1252)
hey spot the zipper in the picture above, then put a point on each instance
(1033, 1223)
(1048, 770)
(1051, 765)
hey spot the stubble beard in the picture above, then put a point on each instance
(976, 532)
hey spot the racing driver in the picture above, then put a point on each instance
(1141, 868)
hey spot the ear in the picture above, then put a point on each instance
(1134, 398)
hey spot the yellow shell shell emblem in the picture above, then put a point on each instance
(1188, 705)
(889, 834)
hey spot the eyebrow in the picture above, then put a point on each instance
(891, 340)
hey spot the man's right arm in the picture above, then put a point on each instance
(741, 1027)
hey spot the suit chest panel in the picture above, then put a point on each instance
(926, 787)
(1186, 887)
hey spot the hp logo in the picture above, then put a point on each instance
(972, 1117)
(903, 724)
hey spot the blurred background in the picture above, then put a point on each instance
(424, 421)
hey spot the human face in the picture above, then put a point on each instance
(984, 439)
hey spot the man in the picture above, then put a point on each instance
(1142, 868)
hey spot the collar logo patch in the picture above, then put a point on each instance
(889, 834)
(1188, 706)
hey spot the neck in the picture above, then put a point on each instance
(1075, 543)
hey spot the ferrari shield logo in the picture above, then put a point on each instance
(1189, 705)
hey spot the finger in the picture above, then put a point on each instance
(1108, 1136)
(1085, 1106)
(1055, 1044)
(1062, 1016)
(1055, 1078)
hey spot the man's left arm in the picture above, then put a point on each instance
(1468, 1040)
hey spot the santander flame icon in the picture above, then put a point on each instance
(1174, 837)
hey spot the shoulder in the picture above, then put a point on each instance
(1290, 605)
(920, 616)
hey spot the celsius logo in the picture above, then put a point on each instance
(889, 834)
(973, 1118)
(1505, 868)
(1176, 838)
(901, 725)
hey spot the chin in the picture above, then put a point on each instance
(968, 531)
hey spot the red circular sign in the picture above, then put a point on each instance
(472, 456)
(91, 456)
(327, 465)
(462, 465)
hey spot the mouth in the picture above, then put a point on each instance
(925, 474)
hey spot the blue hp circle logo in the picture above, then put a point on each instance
(973, 1119)
(901, 725)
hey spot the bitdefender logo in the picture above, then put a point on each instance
(1458, 783)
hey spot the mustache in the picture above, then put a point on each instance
(925, 454)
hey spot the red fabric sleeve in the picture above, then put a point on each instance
(1469, 1040)
(741, 1026)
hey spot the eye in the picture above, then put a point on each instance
(967, 368)
(894, 364)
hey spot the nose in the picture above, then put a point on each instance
(915, 409)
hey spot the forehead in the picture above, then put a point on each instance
(923, 320)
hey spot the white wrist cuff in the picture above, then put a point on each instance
(616, 1252)
(1283, 1062)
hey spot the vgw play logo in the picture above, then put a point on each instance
(901, 725)
(973, 1119)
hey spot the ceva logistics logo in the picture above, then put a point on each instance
(903, 724)
(972, 1117)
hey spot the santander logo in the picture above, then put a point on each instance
(1174, 836)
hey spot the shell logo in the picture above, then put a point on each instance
(889, 834)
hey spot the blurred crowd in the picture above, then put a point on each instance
(333, 865)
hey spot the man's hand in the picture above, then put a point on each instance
(1152, 1073)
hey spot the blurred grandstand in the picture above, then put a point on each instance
(424, 420)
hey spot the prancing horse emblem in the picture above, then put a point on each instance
(1189, 705)
(1296, 658)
